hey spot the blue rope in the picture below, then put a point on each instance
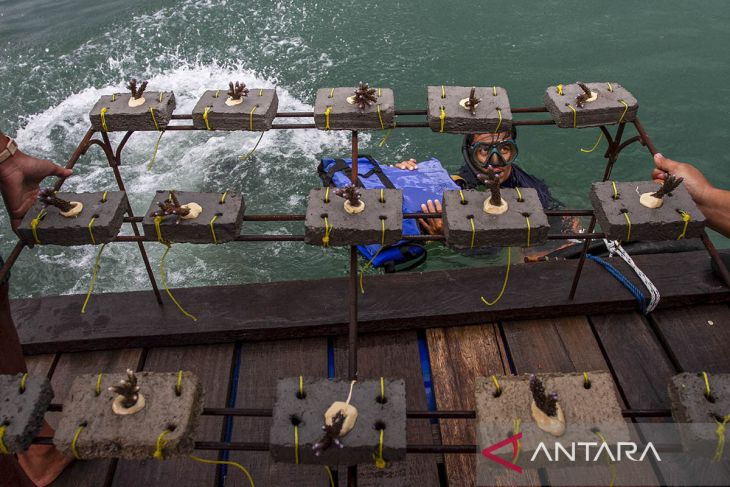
(643, 301)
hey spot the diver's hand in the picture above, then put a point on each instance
(695, 182)
(20, 177)
(432, 226)
(409, 165)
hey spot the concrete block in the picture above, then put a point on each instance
(664, 223)
(696, 416)
(23, 404)
(345, 116)
(586, 411)
(227, 225)
(55, 229)
(237, 117)
(605, 110)
(358, 229)
(119, 116)
(459, 120)
(106, 434)
(505, 230)
(308, 413)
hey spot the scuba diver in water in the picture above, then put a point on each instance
(497, 151)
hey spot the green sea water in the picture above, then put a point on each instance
(58, 56)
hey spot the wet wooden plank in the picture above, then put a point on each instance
(394, 355)
(212, 365)
(393, 301)
(91, 472)
(458, 356)
(40, 365)
(262, 364)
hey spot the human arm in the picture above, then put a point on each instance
(713, 202)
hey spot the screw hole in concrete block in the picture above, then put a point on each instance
(301, 395)
(709, 397)
(497, 393)
(525, 214)
(624, 210)
(324, 215)
(379, 425)
(383, 217)
(587, 385)
(220, 213)
(84, 424)
(295, 420)
(171, 427)
(381, 399)
(717, 417)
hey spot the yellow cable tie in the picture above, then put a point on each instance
(380, 117)
(598, 141)
(250, 117)
(628, 230)
(497, 387)
(261, 92)
(720, 431)
(615, 190)
(560, 90)
(575, 115)
(382, 195)
(154, 119)
(104, 196)
(178, 384)
(154, 153)
(442, 117)
(91, 232)
(223, 197)
(212, 229)
(162, 93)
(382, 389)
(685, 218)
(499, 124)
(707, 384)
(163, 275)
(527, 219)
(382, 244)
(387, 135)
(332, 93)
(461, 193)
(504, 285)
(327, 118)
(379, 460)
(494, 91)
(114, 97)
(94, 274)
(34, 225)
(103, 119)
(327, 195)
(329, 476)
(217, 93)
(380, 92)
(3, 449)
(516, 429)
(160, 445)
(23, 381)
(250, 153)
(327, 232)
(586, 380)
(301, 387)
(97, 389)
(296, 444)
(473, 232)
(610, 87)
(626, 109)
(611, 465)
(226, 462)
(205, 117)
(75, 440)
(443, 92)
(519, 194)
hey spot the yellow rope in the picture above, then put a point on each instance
(461, 193)
(494, 91)
(223, 197)
(515, 430)
(104, 196)
(34, 225)
(382, 195)
(178, 384)
(504, 285)
(327, 231)
(250, 117)
(628, 230)
(327, 118)
(23, 381)
(75, 440)
(382, 389)
(94, 273)
(611, 465)
(163, 275)
(154, 153)
(91, 232)
(217, 93)
(707, 384)
(610, 87)
(575, 115)
(379, 460)
(519, 194)
(160, 445)
(154, 120)
(103, 119)
(499, 112)
(205, 117)
(527, 219)
(301, 386)
(162, 93)
(626, 109)
(473, 233)
(3, 449)
(442, 117)
(382, 244)
(296, 444)
(560, 90)
(720, 431)
(261, 92)
(329, 476)
(497, 387)
(615, 190)
(327, 195)
(598, 141)
(212, 229)
(226, 462)
(380, 117)
(158, 230)
(114, 97)
(250, 153)
(332, 93)
(685, 218)
(586, 380)
(443, 92)
(387, 135)
(97, 389)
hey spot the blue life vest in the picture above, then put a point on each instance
(428, 182)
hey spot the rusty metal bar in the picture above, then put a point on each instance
(645, 140)
(120, 147)
(352, 327)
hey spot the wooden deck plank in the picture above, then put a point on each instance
(262, 364)
(458, 356)
(91, 472)
(212, 365)
(40, 365)
(405, 300)
(394, 355)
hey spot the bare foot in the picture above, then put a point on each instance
(43, 463)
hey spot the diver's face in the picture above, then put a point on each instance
(506, 150)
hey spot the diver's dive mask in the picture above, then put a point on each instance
(499, 154)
